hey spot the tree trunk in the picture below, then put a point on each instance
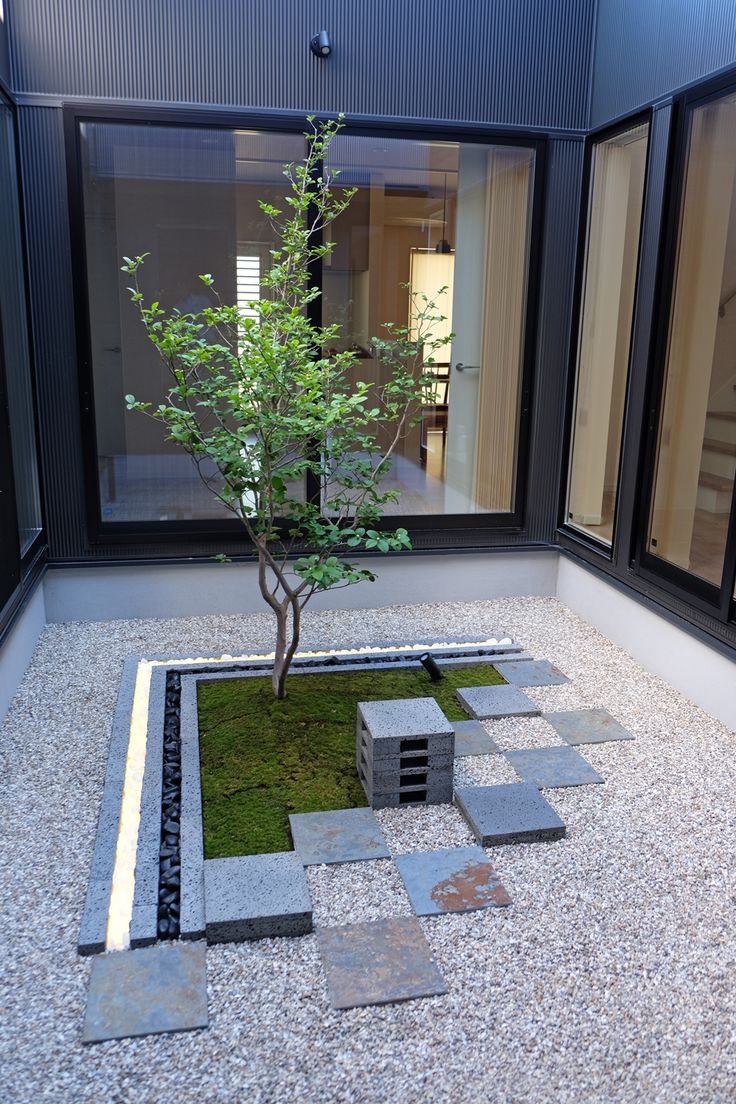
(280, 667)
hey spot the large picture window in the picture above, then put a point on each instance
(615, 202)
(427, 215)
(696, 443)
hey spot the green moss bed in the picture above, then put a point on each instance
(262, 759)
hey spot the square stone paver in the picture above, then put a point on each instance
(454, 879)
(587, 726)
(256, 897)
(531, 672)
(343, 835)
(378, 963)
(146, 992)
(490, 702)
(514, 812)
(549, 767)
(472, 739)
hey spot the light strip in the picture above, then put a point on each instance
(120, 911)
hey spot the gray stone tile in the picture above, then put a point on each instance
(587, 726)
(378, 963)
(256, 897)
(146, 992)
(344, 835)
(472, 739)
(395, 726)
(549, 767)
(489, 702)
(531, 672)
(514, 812)
(454, 879)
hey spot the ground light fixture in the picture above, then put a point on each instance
(431, 667)
(320, 45)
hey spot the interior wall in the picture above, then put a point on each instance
(647, 49)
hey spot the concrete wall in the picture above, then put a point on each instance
(18, 647)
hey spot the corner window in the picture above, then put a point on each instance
(611, 256)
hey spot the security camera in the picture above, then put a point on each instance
(320, 45)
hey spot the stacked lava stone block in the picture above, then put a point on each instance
(405, 751)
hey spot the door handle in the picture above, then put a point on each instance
(460, 367)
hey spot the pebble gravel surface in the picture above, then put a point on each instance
(612, 978)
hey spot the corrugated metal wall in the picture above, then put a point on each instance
(518, 62)
(646, 49)
(4, 53)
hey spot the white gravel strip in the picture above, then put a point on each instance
(610, 979)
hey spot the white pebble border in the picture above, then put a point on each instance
(610, 979)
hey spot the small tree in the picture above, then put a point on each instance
(257, 393)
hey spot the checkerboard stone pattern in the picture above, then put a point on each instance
(146, 992)
(378, 963)
(548, 768)
(531, 672)
(404, 752)
(493, 702)
(256, 897)
(454, 879)
(587, 726)
(514, 812)
(339, 836)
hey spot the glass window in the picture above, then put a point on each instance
(14, 327)
(612, 250)
(190, 198)
(696, 446)
(426, 216)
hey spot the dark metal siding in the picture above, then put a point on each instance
(4, 53)
(647, 50)
(515, 62)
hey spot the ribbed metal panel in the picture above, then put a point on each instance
(52, 308)
(4, 53)
(565, 168)
(644, 51)
(517, 62)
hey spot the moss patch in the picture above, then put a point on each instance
(262, 759)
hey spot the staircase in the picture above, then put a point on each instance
(718, 462)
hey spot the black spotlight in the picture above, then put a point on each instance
(432, 668)
(320, 45)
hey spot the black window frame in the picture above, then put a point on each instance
(572, 533)
(31, 563)
(716, 601)
(101, 533)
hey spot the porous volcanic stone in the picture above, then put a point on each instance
(472, 739)
(146, 992)
(549, 767)
(378, 963)
(391, 723)
(343, 835)
(256, 897)
(587, 726)
(531, 672)
(490, 702)
(454, 879)
(514, 812)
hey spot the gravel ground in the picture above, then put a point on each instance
(611, 977)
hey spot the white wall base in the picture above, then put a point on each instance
(190, 590)
(702, 674)
(18, 648)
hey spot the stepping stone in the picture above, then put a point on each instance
(514, 812)
(378, 963)
(531, 672)
(256, 897)
(146, 992)
(343, 835)
(549, 767)
(454, 879)
(492, 702)
(472, 739)
(587, 726)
